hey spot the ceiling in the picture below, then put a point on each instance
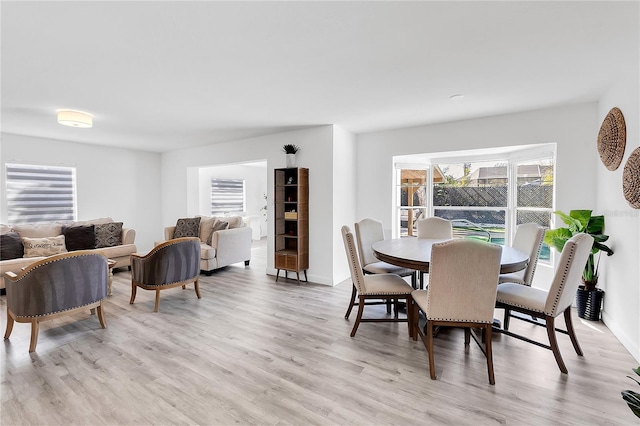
(160, 76)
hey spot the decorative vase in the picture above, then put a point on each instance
(291, 160)
(589, 303)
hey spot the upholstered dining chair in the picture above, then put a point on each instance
(528, 239)
(377, 286)
(369, 231)
(547, 305)
(435, 228)
(57, 285)
(461, 293)
(173, 263)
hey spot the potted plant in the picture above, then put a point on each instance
(291, 151)
(633, 398)
(589, 297)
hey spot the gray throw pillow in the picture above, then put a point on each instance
(11, 246)
(187, 227)
(108, 234)
(218, 226)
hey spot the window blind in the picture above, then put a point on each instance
(227, 195)
(40, 193)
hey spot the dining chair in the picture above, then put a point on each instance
(435, 228)
(547, 305)
(388, 287)
(461, 293)
(369, 231)
(528, 239)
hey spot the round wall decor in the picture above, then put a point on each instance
(612, 139)
(631, 179)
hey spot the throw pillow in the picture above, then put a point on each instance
(108, 234)
(39, 230)
(187, 227)
(11, 246)
(206, 224)
(234, 222)
(218, 226)
(79, 237)
(48, 246)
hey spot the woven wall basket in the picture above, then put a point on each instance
(612, 139)
(631, 179)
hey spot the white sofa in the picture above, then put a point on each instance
(119, 253)
(227, 246)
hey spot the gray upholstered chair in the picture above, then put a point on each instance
(369, 231)
(528, 239)
(547, 305)
(55, 286)
(462, 293)
(378, 286)
(435, 228)
(173, 263)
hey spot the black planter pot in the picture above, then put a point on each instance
(589, 303)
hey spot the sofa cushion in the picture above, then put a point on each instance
(39, 231)
(118, 251)
(206, 225)
(11, 246)
(108, 234)
(98, 221)
(187, 227)
(207, 252)
(79, 237)
(219, 225)
(47, 246)
(234, 222)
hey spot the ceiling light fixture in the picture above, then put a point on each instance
(457, 97)
(75, 119)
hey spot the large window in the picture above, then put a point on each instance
(40, 193)
(227, 196)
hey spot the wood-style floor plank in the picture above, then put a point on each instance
(256, 352)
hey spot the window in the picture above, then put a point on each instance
(411, 202)
(40, 193)
(227, 195)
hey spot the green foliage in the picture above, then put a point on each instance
(633, 398)
(290, 148)
(578, 221)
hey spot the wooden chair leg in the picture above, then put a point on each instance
(157, 300)
(432, 363)
(100, 311)
(551, 332)
(35, 325)
(507, 317)
(571, 331)
(196, 285)
(489, 353)
(352, 302)
(415, 312)
(184, 287)
(388, 306)
(396, 308)
(409, 316)
(133, 293)
(359, 317)
(9, 328)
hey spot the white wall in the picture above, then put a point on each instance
(620, 273)
(120, 183)
(180, 185)
(344, 197)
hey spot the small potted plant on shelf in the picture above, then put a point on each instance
(291, 150)
(588, 298)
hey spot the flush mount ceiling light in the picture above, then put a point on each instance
(75, 119)
(457, 97)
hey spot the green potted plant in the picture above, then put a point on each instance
(589, 297)
(633, 398)
(291, 150)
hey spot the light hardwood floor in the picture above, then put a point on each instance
(253, 351)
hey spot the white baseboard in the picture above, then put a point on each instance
(628, 343)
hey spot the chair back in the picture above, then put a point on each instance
(528, 239)
(435, 228)
(170, 262)
(568, 274)
(463, 281)
(357, 276)
(368, 231)
(58, 283)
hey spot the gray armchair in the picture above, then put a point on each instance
(170, 264)
(57, 285)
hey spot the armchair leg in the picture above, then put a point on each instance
(196, 284)
(100, 311)
(35, 325)
(157, 300)
(571, 331)
(133, 293)
(554, 344)
(9, 329)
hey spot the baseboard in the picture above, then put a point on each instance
(316, 279)
(628, 343)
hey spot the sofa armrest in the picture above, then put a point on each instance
(232, 245)
(128, 236)
(168, 232)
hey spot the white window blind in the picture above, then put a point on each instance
(40, 193)
(227, 195)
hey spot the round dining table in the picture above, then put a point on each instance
(415, 253)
